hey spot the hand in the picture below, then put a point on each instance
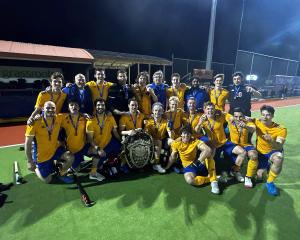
(267, 137)
(87, 116)
(68, 84)
(132, 132)
(249, 89)
(242, 124)
(117, 112)
(30, 121)
(31, 166)
(101, 153)
(202, 119)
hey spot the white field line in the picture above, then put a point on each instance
(14, 145)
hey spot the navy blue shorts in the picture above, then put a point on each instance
(197, 170)
(263, 159)
(227, 149)
(48, 167)
(79, 156)
(113, 147)
(249, 148)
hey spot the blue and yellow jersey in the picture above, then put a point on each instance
(187, 151)
(99, 90)
(177, 93)
(275, 130)
(144, 100)
(238, 135)
(158, 130)
(57, 98)
(76, 132)
(214, 128)
(131, 122)
(102, 130)
(46, 144)
(218, 98)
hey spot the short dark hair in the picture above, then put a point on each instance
(186, 129)
(238, 74)
(208, 104)
(267, 108)
(99, 70)
(57, 75)
(132, 100)
(73, 100)
(121, 71)
(239, 109)
(219, 75)
(175, 75)
(99, 100)
(145, 74)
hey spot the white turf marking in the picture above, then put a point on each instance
(14, 145)
(288, 184)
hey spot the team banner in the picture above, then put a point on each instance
(9, 73)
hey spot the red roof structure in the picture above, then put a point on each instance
(39, 52)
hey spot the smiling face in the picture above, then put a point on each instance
(49, 109)
(238, 116)
(122, 78)
(237, 80)
(175, 82)
(173, 105)
(219, 82)
(73, 108)
(142, 80)
(158, 78)
(209, 110)
(56, 84)
(157, 111)
(266, 117)
(191, 105)
(80, 81)
(100, 107)
(99, 75)
(133, 106)
(185, 137)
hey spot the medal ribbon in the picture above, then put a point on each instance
(49, 129)
(101, 125)
(75, 126)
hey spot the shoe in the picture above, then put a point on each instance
(158, 168)
(223, 178)
(177, 170)
(124, 168)
(96, 176)
(248, 182)
(238, 176)
(66, 179)
(272, 190)
(215, 187)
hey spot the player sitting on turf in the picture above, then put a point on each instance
(270, 139)
(48, 151)
(239, 129)
(157, 127)
(99, 132)
(195, 171)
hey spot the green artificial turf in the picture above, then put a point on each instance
(151, 206)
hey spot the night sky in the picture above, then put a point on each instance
(156, 27)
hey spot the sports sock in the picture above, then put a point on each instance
(199, 180)
(210, 165)
(93, 170)
(251, 168)
(271, 176)
(236, 168)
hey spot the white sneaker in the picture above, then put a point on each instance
(238, 176)
(214, 187)
(96, 176)
(158, 168)
(248, 182)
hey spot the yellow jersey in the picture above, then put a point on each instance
(176, 119)
(275, 130)
(238, 135)
(158, 130)
(101, 127)
(144, 100)
(187, 151)
(47, 142)
(193, 120)
(178, 93)
(218, 98)
(76, 132)
(131, 122)
(214, 128)
(57, 98)
(99, 90)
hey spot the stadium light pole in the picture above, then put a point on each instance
(210, 45)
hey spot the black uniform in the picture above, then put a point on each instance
(118, 98)
(239, 97)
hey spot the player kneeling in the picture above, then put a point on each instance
(196, 171)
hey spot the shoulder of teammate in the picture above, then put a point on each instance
(91, 83)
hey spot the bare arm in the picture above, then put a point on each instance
(28, 147)
(172, 159)
(205, 152)
(36, 111)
